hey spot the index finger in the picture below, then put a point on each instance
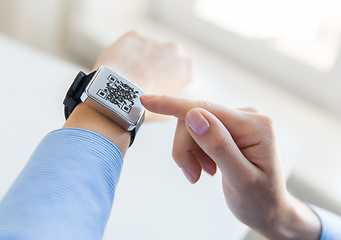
(239, 123)
(179, 107)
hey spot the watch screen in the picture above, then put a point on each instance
(119, 93)
(116, 93)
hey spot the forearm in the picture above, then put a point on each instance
(66, 189)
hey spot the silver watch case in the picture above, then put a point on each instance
(115, 97)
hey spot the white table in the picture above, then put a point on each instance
(153, 199)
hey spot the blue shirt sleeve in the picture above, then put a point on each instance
(331, 224)
(66, 189)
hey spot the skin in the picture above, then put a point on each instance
(159, 68)
(242, 143)
(155, 67)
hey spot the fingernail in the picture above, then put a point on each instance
(149, 96)
(208, 170)
(197, 122)
(187, 175)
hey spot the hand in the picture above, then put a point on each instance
(242, 143)
(156, 68)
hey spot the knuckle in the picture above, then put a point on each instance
(176, 155)
(222, 147)
(251, 109)
(267, 126)
(134, 33)
(209, 106)
(175, 46)
(182, 158)
(203, 104)
(134, 36)
(267, 121)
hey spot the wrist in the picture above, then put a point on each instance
(85, 117)
(294, 220)
(108, 95)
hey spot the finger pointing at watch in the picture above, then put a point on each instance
(242, 143)
(250, 133)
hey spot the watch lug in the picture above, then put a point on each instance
(130, 128)
(83, 97)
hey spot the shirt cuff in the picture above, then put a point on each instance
(331, 223)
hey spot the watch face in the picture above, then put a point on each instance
(116, 93)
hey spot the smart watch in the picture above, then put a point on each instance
(110, 94)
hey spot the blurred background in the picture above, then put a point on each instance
(294, 42)
(281, 56)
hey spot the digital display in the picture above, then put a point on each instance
(116, 93)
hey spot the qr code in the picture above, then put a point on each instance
(119, 93)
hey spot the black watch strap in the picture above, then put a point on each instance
(135, 130)
(73, 95)
(73, 98)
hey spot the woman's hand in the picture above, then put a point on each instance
(156, 68)
(242, 143)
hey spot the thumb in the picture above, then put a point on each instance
(215, 140)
